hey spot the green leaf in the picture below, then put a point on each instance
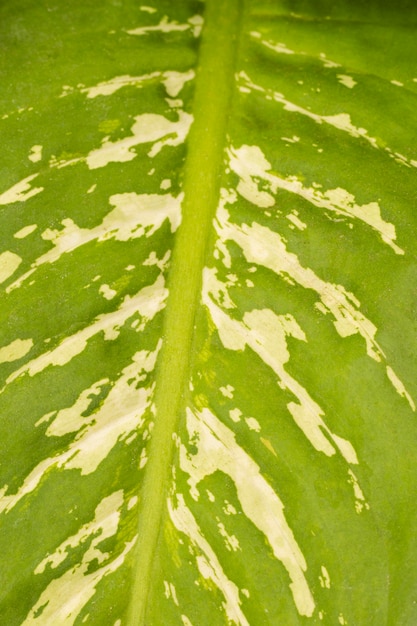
(208, 317)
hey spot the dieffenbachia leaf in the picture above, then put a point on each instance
(208, 319)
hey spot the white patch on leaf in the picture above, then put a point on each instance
(281, 48)
(219, 451)
(65, 597)
(170, 592)
(360, 502)
(25, 231)
(173, 81)
(21, 191)
(15, 350)
(146, 303)
(227, 391)
(294, 219)
(207, 562)
(399, 386)
(324, 578)
(346, 81)
(194, 24)
(231, 542)
(340, 121)
(251, 166)
(253, 424)
(268, 249)
(148, 128)
(133, 216)
(235, 415)
(107, 292)
(265, 333)
(9, 262)
(119, 416)
(35, 154)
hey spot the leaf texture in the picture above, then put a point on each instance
(208, 329)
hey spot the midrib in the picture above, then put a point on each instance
(206, 142)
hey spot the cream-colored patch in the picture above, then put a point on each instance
(132, 502)
(235, 415)
(164, 26)
(146, 303)
(25, 231)
(119, 416)
(9, 262)
(229, 509)
(328, 63)
(35, 154)
(360, 502)
(266, 248)
(143, 459)
(341, 121)
(266, 334)
(174, 103)
(324, 578)
(104, 524)
(231, 542)
(219, 451)
(71, 419)
(148, 9)
(251, 166)
(15, 350)
(399, 387)
(162, 264)
(293, 139)
(194, 24)
(108, 87)
(21, 191)
(227, 391)
(134, 216)
(148, 128)
(173, 81)
(253, 424)
(281, 48)
(294, 219)
(208, 564)
(107, 292)
(165, 184)
(346, 80)
(170, 592)
(65, 597)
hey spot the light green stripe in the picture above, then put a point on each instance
(214, 82)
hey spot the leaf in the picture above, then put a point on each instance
(208, 330)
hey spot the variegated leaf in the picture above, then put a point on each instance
(208, 330)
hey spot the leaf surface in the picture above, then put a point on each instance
(208, 329)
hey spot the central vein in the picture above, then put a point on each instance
(214, 84)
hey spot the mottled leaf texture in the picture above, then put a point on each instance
(208, 327)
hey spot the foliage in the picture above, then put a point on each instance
(208, 319)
